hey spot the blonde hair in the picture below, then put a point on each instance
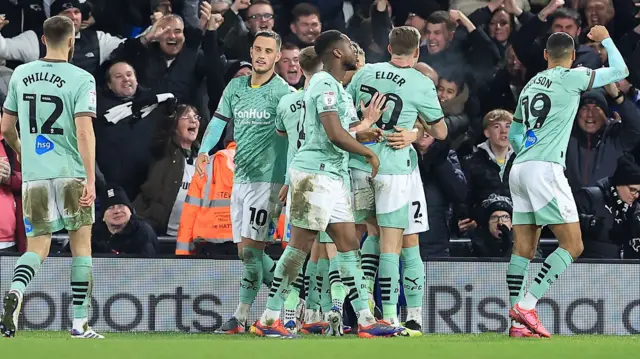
(494, 116)
(404, 40)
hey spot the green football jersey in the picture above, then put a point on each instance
(409, 94)
(547, 108)
(289, 117)
(260, 152)
(47, 96)
(317, 154)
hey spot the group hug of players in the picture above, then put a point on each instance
(332, 166)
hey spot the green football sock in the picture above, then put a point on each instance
(268, 267)
(252, 274)
(287, 270)
(413, 276)
(517, 278)
(81, 286)
(26, 268)
(293, 299)
(556, 263)
(338, 290)
(353, 279)
(313, 292)
(322, 275)
(389, 284)
(370, 260)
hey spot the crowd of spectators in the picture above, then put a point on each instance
(161, 67)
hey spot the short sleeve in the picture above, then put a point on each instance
(428, 104)
(224, 111)
(579, 79)
(325, 97)
(85, 104)
(281, 111)
(11, 102)
(354, 85)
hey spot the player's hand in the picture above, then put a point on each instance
(214, 22)
(5, 170)
(205, 14)
(466, 225)
(282, 196)
(598, 33)
(372, 113)
(201, 164)
(88, 194)
(402, 138)
(373, 160)
(369, 135)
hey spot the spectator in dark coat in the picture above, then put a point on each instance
(493, 237)
(596, 141)
(238, 36)
(124, 128)
(504, 89)
(169, 59)
(530, 41)
(610, 214)
(444, 184)
(305, 26)
(487, 169)
(164, 192)
(120, 231)
(498, 22)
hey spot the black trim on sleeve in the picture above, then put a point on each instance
(223, 118)
(593, 78)
(517, 120)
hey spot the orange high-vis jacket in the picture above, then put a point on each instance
(206, 214)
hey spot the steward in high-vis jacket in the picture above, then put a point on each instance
(206, 215)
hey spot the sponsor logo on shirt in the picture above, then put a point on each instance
(27, 226)
(251, 114)
(531, 139)
(92, 97)
(43, 145)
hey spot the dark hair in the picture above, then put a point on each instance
(303, 9)
(566, 13)
(453, 76)
(327, 41)
(512, 20)
(439, 17)
(289, 46)
(270, 35)
(57, 29)
(166, 129)
(559, 45)
(107, 75)
(260, 2)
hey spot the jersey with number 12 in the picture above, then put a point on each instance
(47, 96)
(409, 94)
(547, 108)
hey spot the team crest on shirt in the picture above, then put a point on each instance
(329, 98)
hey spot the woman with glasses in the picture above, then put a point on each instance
(164, 191)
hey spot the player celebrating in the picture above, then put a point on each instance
(250, 102)
(386, 198)
(55, 102)
(540, 191)
(319, 197)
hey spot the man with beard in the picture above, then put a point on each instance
(250, 103)
(530, 40)
(320, 200)
(55, 103)
(305, 26)
(289, 65)
(91, 48)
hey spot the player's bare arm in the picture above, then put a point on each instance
(10, 132)
(87, 149)
(437, 129)
(341, 138)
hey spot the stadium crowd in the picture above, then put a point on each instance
(161, 67)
